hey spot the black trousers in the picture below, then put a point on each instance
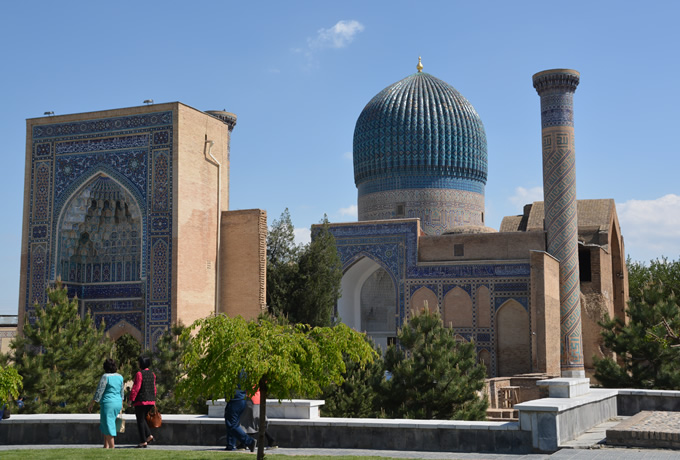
(142, 426)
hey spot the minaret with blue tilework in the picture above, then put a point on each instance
(556, 89)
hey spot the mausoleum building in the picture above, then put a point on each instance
(130, 209)
(420, 167)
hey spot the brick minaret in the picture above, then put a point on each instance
(556, 89)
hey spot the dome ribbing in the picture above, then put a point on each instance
(422, 130)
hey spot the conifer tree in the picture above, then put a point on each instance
(303, 282)
(166, 364)
(644, 358)
(357, 395)
(282, 264)
(126, 353)
(316, 288)
(60, 356)
(432, 375)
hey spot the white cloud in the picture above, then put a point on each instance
(302, 235)
(350, 211)
(651, 228)
(524, 196)
(348, 156)
(338, 36)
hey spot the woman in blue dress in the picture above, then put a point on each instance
(109, 395)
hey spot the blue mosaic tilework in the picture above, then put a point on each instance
(500, 300)
(113, 312)
(133, 151)
(399, 182)
(556, 90)
(393, 245)
(419, 125)
(133, 122)
(106, 291)
(450, 287)
(505, 287)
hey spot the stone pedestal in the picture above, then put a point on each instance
(287, 409)
(566, 387)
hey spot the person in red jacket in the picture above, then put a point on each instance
(143, 397)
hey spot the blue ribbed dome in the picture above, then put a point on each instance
(419, 133)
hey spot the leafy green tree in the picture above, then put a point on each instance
(60, 356)
(303, 282)
(357, 396)
(280, 359)
(644, 356)
(432, 375)
(660, 270)
(10, 384)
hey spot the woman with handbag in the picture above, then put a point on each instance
(109, 395)
(143, 397)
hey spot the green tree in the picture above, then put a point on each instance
(432, 375)
(10, 384)
(357, 396)
(280, 359)
(661, 270)
(644, 355)
(303, 282)
(60, 356)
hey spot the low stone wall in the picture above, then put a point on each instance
(421, 435)
(554, 421)
(414, 435)
(544, 425)
(631, 401)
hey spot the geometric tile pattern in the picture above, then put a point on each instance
(420, 134)
(393, 246)
(556, 90)
(118, 171)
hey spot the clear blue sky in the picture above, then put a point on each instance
(298, 74)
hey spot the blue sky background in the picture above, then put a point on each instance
(297, 74)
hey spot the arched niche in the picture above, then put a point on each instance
(513, 339)
(369, 301)
(100, 234)
(457, 308)
(422, 298)
(485, 357)
(483, 307)
(123, 327)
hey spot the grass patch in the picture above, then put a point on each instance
(135, 454)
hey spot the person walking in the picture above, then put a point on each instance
(109, 395)
(250, 420)
(143, 397)
(232, 418)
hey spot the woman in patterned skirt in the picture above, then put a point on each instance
(109, 395)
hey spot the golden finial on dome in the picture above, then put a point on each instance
(420, 65)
